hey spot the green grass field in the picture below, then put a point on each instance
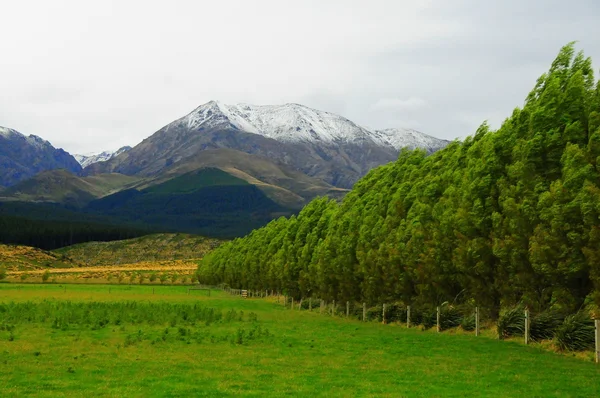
(87, 341)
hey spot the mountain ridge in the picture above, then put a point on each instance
(88, 159)
(319, 144)
(22, 157)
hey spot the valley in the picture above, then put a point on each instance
(302, 234)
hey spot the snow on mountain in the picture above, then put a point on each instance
(407, 138)
(32, 140)
(88, 159)
(298, 123)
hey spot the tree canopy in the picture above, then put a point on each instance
(504, 217)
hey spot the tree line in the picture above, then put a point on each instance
(51, 234)
(505, 217)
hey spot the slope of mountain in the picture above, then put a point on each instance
(282, 184)
(155, 247)
(207, 201)
(86, 160)
(22, 157)
(21, 258)
(60, 186)
(319, 144)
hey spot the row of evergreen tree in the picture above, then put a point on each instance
(51, 234)
(505, 217)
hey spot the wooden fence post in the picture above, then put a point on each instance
(347, 309)
(438, 319)
(408, 316)
(597, 323)
(364, 312)
(526, 326)
(383, 314)
(476, 321)
(300, 306)
(292, 307)
(310, 303)
(333, 308)
(321, 307)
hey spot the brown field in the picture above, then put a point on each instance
(176, 271)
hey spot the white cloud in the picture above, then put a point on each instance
(89, 75)
(399, 105)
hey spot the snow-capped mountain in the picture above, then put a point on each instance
(23, 156)
(299, 123)
(88, 159)
(319, 144)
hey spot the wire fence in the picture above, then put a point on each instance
(574, 332)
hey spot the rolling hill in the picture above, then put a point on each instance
(156, 247)
(61, 186)
(207, 201)
(24, 258)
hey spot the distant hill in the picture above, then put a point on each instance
(207, 201)
(23, 258)
(23, 157)
(157, 247)
(282, 184)
(60, 186)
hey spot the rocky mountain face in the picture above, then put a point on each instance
(319, 144)
(23, 157)
(86, 160)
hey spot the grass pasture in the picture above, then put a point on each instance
(98, 340)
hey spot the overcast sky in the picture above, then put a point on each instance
(96, 75)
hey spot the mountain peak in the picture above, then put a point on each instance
(88, 159)
(25, 156)
(294, 122)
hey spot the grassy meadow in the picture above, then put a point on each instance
(81, 340)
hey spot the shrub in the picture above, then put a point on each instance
(417, 316)
(511, 323)
(141, 278)
(24, 277)
(429, 318)
(450, 317)
(163, 278)
(2, 273)
(544, 325)
(45, 276)
(395, 312)
(375, 313)
(153, 277)
(468, 322)
(576, 332)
